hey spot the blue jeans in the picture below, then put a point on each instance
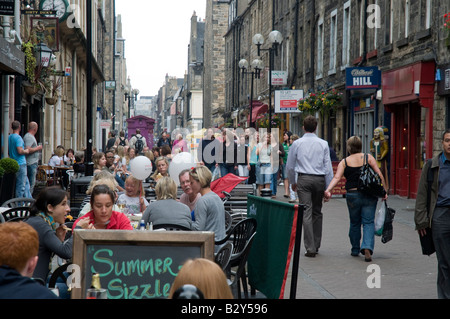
(22, 183)
(31, 173)
(361, 208)
(225, 169)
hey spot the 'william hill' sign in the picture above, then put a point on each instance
(363, 78)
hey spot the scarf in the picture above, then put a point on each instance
(48, 219)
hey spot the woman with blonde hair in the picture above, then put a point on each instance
(361, 206)
(166, 209)
(209, 211)
(162, 168)
(204, 274)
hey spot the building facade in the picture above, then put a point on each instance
(403, 40)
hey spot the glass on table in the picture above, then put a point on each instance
(94, 293)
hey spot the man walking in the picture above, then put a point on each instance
(309, 159)
(17, 151)
(33, 158)
(439, 212)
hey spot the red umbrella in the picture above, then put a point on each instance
(226, 183)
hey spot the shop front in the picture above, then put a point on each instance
(408, 94)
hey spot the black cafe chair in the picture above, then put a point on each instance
(16, 214)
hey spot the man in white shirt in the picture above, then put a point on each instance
(309, 159)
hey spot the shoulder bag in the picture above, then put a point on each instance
(370, 182)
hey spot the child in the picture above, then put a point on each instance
(133, 196)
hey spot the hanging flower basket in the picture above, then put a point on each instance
(31, 90)
(447, 28)
(322, 102)
(51, 100)
(263, 121)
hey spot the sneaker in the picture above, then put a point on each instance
(281, 184)
(293, 201)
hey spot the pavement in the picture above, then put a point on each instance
(398, 269)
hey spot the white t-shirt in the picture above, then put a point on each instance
(132, 203)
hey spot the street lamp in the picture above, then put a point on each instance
(257, 66)
(275, 39)
(43, 54)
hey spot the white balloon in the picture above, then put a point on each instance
(180, 162)
(141, 167)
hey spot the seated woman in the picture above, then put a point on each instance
(166, 209)
(48, 214)
(133, 198)
(209, 211)
(104, 178)
(162, 168)
(102, 215)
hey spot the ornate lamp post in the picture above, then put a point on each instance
(275, 38)
(257, 66)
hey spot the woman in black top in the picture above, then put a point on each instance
(361, 207)
(48, 215)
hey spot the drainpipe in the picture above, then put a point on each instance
(5, 94)
(364, 53)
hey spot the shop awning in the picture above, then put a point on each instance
(258, 108)
(411, 83)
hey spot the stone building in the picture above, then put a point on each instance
(401, 42)
(216, 26)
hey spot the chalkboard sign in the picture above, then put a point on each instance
(136, 264)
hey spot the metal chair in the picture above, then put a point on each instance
(223, 256)
(19, 202)
(16, 214)
(228, 222)
(240, 275)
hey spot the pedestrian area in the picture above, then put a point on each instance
(404, 273)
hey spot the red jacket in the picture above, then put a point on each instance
(118, 220)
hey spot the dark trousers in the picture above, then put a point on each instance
(310, 190)
(440, 224)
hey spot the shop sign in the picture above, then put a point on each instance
(362, 78)
(6, 7)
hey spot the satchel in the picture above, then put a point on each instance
(370, 182)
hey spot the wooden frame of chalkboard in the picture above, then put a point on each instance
(136, 264)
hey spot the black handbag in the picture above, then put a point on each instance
(388, 230)
(426, 241)
(370, 182)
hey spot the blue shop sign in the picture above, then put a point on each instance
(362, 78)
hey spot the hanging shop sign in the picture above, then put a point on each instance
(362, 78)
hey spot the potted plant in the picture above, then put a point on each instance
(8, 170)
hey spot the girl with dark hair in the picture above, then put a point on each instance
(102, 215)
(48, 215)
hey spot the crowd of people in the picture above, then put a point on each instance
(303, 165)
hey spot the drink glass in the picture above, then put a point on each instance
(93, 293)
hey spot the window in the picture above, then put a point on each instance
(346, 36)
(320, 32)
(333, 40)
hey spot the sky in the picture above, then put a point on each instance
(157, 37)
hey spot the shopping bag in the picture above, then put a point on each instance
(379, 220)
(388, 230)
(216, 174)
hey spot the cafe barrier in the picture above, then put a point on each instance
(278, 238)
